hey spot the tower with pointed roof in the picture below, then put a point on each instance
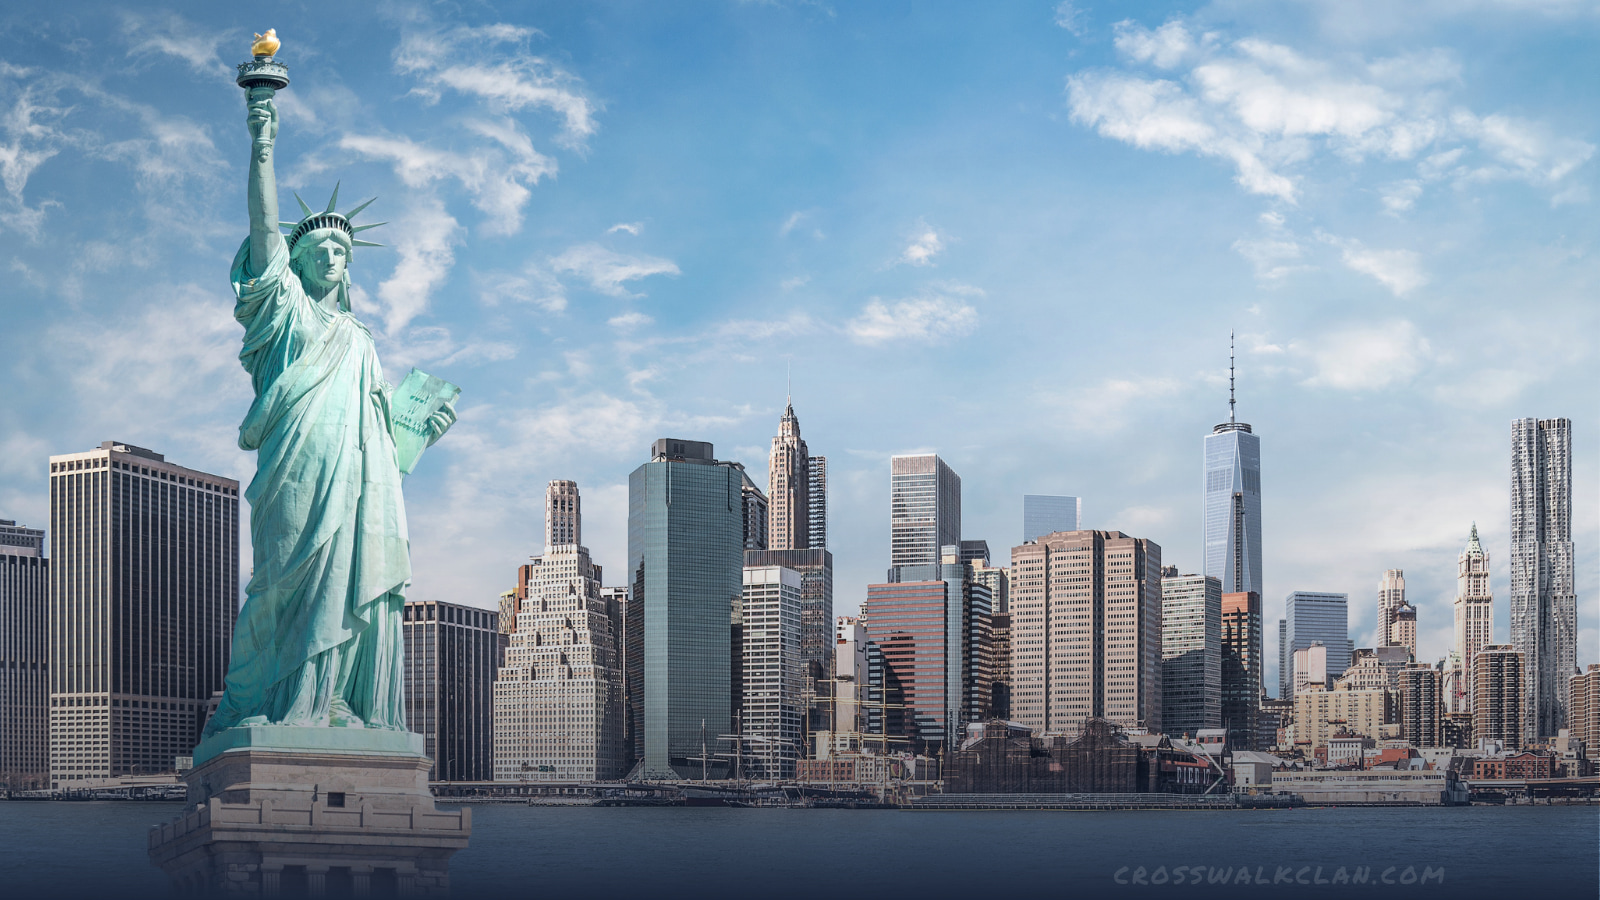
(1474, 618)
(1232, 520)
(789, 486)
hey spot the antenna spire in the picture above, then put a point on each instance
(1231, 419)
(788, 381)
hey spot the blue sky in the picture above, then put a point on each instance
(1015, 234)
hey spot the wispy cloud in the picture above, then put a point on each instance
(493, 63)
(498, 176)
(932, 317)
(607, 271)
(1267, 109)
(1070, 16)
(632, 228)
(1366, 358)
(1398, 270)
(427, 242)
(177, 37)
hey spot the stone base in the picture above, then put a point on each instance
(267, 819)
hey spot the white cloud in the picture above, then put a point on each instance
(1269, 109)
(1273, 258)
(632, 228)
(534, 284)
(608, 271)
(492, 63)
(1398, 270)
(426, 239)
(175, 36)
(924, 246)
(1071, 18)
(1401, 196)
(1366, 358)
(629, 321)
(930, 318)
(498, 176)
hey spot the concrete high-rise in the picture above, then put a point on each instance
(772, 678)
(1474, 616)
(1319, 616)
(1044, 514)
(1544, 602)
(817, 499)
(558, 697)
(1191, 653)
(686, 568)
(1232, 526)
(931, 631)
(1583, 709)
(24, 658)
(1391, 594)
(815, 568)
(924, 510)
(1498, 676)
(1242, 660)
(563, 514)
(756, 512)
(1086, 631)
(998, 580)
(144, 590)
(1403, 628)
(452, 652)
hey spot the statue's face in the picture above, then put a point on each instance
(325, 261)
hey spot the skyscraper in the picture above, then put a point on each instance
(1233, 502)
(1044, 514)
(817, 498)
(1285, 676)
(771, 680)
(1391, 593)
(788, 487)
(932, 629)
(1421, 706)
(24, 658)
(1318, 616)
(924, 510)
(1086, 631)
(755, 513)
(1497, 693)
(1191, 653)
(1474, 616)
(686, 565)
(1544, 603)
(451, 655)
(144, 590)
(1241, 668)
(558, 697)
(1403, 628)
(563, 514)
(815, 568)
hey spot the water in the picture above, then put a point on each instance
(98, 849)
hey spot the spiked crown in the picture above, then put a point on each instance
(328, 218)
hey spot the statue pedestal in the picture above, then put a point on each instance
(279, 810)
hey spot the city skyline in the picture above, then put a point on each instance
(1417, 376)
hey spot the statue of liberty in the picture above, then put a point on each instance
(318, 640)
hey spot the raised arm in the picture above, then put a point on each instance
(262, 118)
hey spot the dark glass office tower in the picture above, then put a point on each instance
(144, 590)
(686, 562)
(452, 652)
(24, 658)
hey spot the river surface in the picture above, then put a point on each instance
(97, 849)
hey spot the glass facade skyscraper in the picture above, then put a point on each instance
(1314, 616)
(1233, 507)
(452, 654)
(1544, 600)
(924, 509)
(1043, 514)
(1191, 653)
(24, 658)
(686, 564)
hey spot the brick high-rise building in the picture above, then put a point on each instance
(1497, 695)
(1391, 595)
(24, 658)
(1242, 654)
(929, 635)
(1422, 706)
(1544, 601)
(1086, 631)
(1583, 715)
(144, 590)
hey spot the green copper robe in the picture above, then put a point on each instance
(319, 634)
